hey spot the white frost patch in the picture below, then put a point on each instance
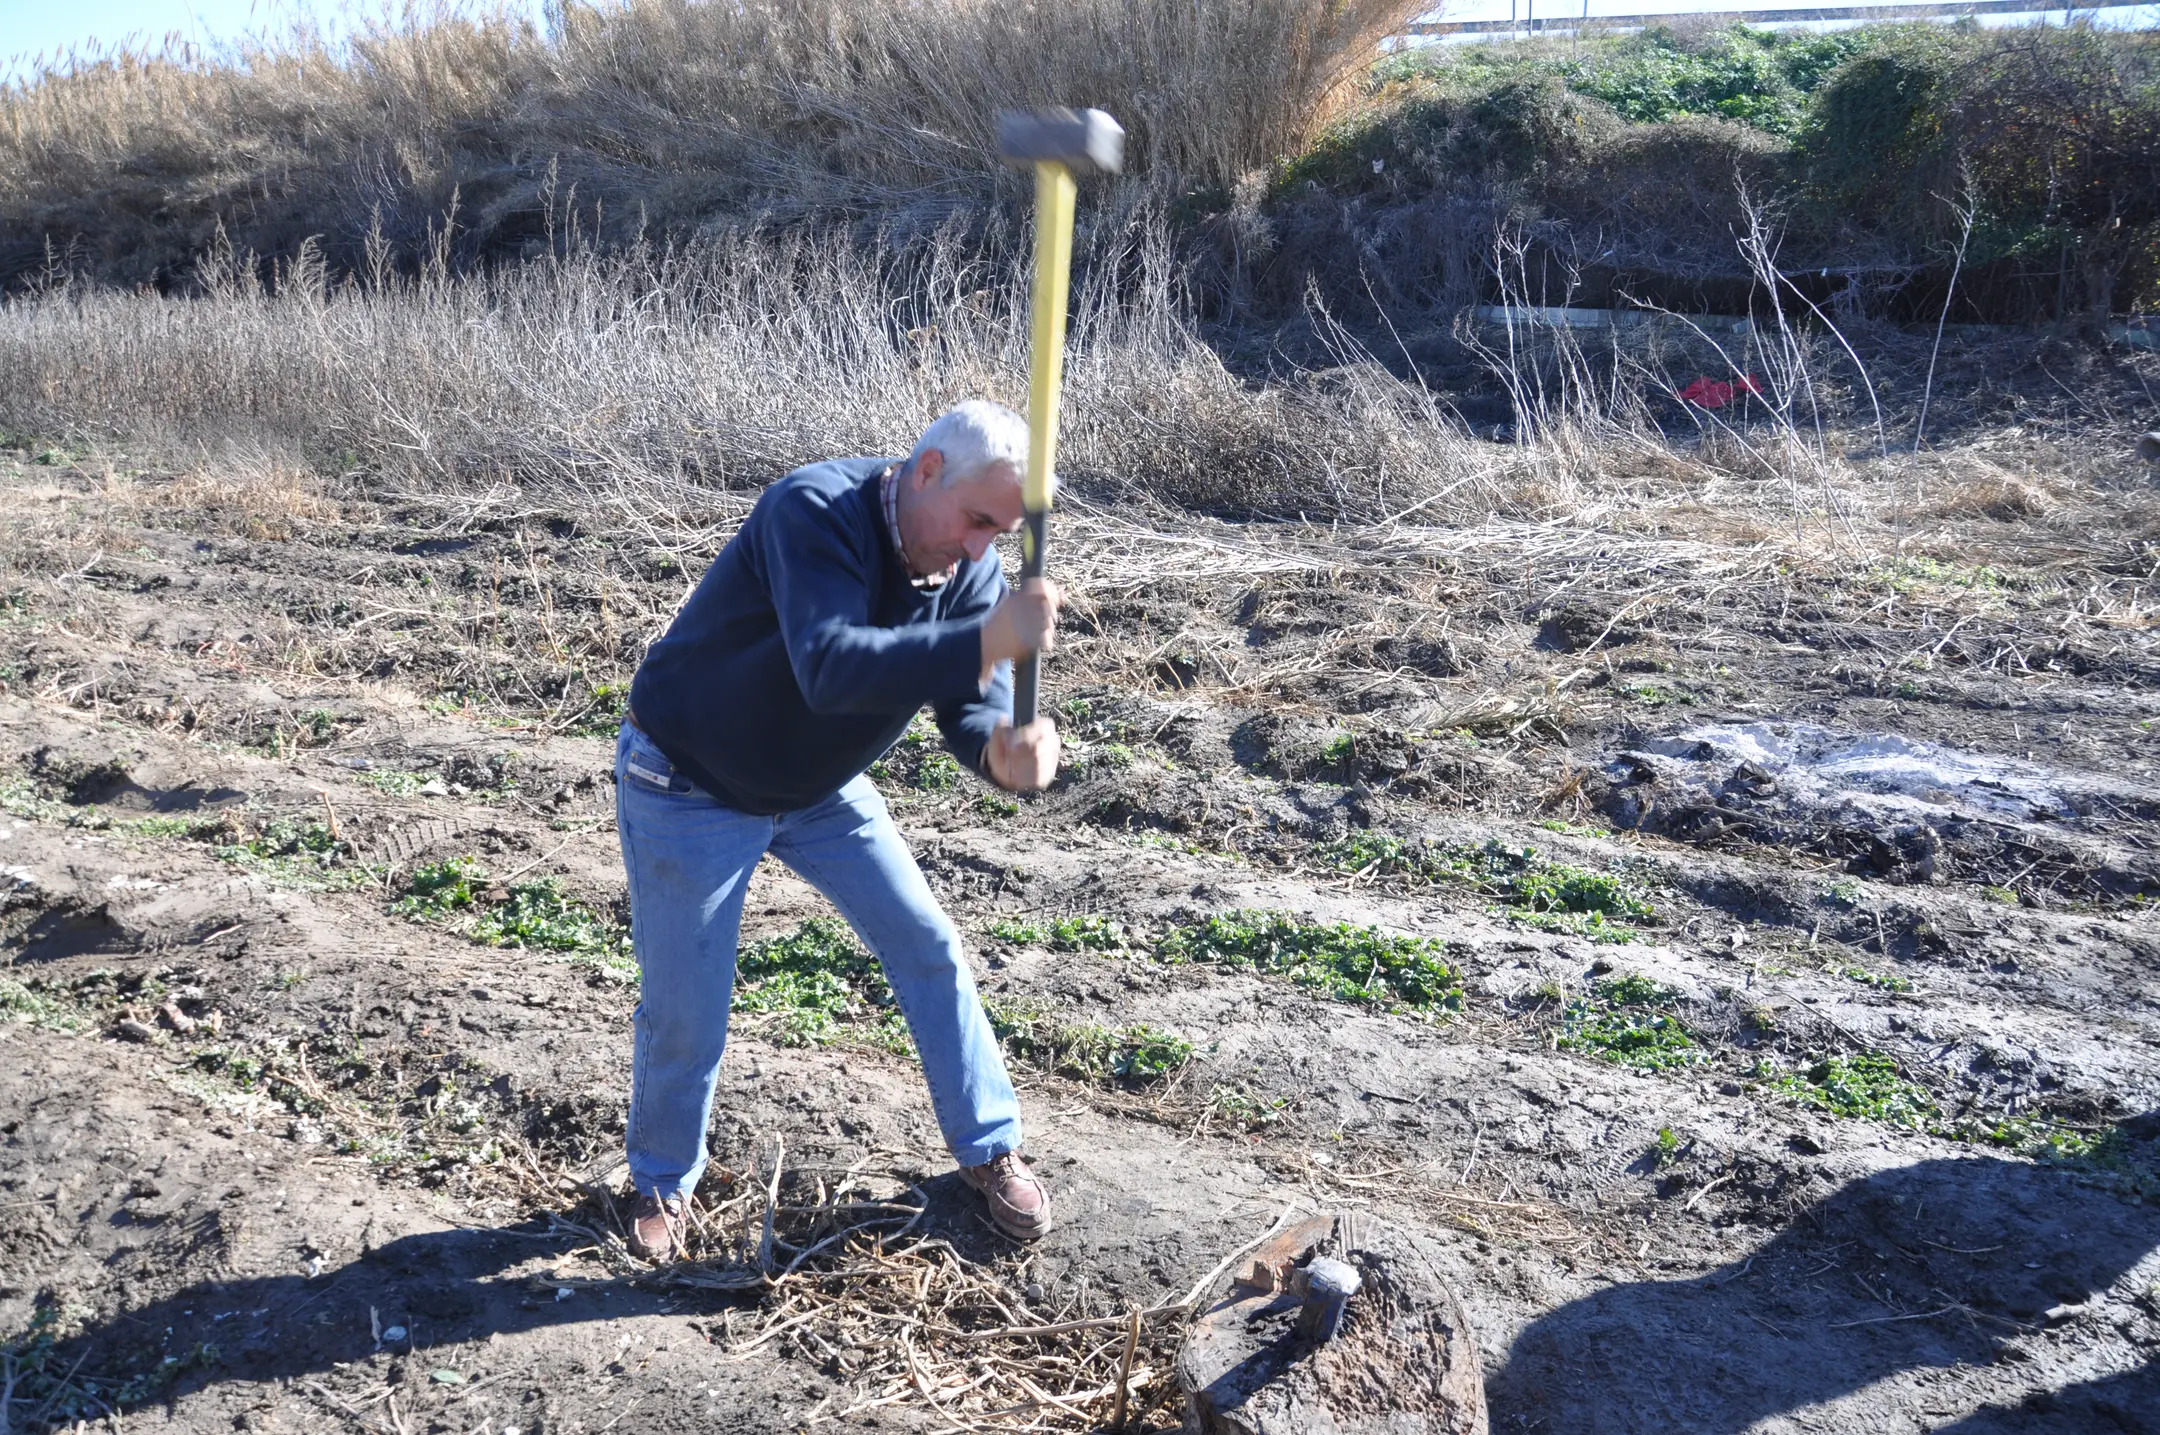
(122, 882)
(17, 878)
(1895, 776)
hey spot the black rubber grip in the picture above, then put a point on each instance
(1026, 671)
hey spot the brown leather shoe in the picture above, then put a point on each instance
(1019, 1205)
(656, 1227)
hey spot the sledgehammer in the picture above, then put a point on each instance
(1060, 144)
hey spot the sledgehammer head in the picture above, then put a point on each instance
(1084, 141)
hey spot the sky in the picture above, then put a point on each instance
(29, 28)
(2129, 16)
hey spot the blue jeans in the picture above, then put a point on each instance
(689, 859)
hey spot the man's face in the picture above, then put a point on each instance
(939, 526)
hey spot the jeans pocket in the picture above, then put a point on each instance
(645, 765)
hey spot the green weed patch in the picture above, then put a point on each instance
(2042, 1138)
(1384, 856)
(1089, 932)
(37, 1008)
(1574, 829)
(1881, 981)
(539, 914)
(187, 829)
(801, 989)
(1629, 1020)
(19, 798)
(918, 763)
(1343, 963)
(392, 782)
(1130, 1055)
(440, 891)
(1912, 574)
(2108, 1154)
(1246, 1110)
(298, 854)
(1597, 906)
(816, 985)
(1665, 1150)
(605, 707)
(1583, 903)
(1866, 1087)
(55, 1392)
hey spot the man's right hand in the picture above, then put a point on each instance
(1023, 622)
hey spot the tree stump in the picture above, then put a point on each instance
(1404, 1362)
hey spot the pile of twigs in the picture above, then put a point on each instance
(903, 1317)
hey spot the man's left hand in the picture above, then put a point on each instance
(1024, 758)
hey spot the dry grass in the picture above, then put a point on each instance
(654, 390)
(665, 115)
(648, 381)
(255, 496)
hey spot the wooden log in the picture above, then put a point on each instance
(1272, 1261)
(1404, 1361)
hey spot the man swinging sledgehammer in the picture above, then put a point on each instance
(857, 592)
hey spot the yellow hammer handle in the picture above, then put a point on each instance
(1053, 275)
(1046, 355)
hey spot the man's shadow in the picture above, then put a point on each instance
(402, 1299)
(1942, 1267)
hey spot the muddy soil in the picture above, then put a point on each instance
(1878, 836)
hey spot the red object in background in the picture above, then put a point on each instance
(1709, 393)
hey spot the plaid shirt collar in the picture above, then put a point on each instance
(889, 500)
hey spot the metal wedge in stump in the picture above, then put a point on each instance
(1340, 1326)
(1059, 144)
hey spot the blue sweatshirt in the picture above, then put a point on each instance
(805, 650)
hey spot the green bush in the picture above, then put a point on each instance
(1758, 77)
(1435, 132)
(1878, 125)
(1875, 140)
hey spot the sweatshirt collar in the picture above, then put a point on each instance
(889, 501)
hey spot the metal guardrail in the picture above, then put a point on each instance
(2141, 332)
(1560, 20)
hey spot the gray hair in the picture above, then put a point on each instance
(974, 436)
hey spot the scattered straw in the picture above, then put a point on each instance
(904, 1318)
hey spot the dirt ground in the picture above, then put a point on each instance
(1879, 1147)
